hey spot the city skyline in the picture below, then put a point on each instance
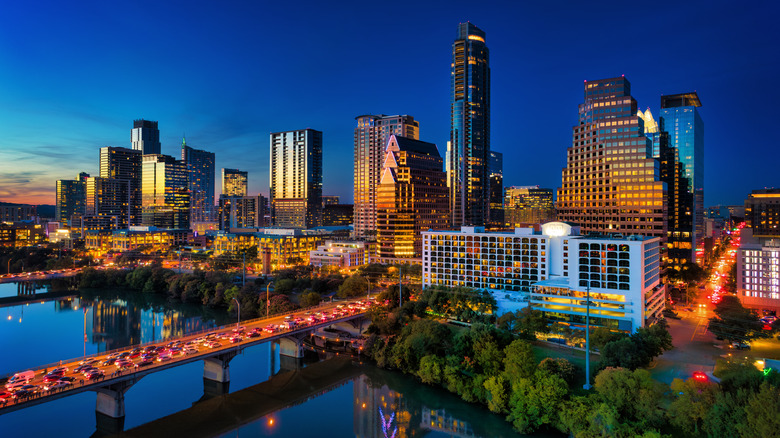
(55, 120)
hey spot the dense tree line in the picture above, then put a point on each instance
(495, 365)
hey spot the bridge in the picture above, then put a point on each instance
(39, 276)
(111, 388)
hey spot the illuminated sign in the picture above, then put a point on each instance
(556, 229)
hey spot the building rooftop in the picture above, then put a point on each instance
(420, 147)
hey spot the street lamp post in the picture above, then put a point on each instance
(368, 294)
(268, 299)
(587, 386)
(238, 324)
(8, 268)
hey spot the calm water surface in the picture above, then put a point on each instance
(39, 333)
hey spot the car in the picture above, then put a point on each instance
(56, 385)
(51, 378)
(144, 363)
(95, 375)
(189, 351)
(67, 379)
(740, 346)
(253, 334)
(235, 339)
(163, 357)
(62, 370)
(700, 376)
(108, 362)
(124, 364)
(5, 395)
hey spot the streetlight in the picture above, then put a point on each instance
(238, 324)
(268, 298)
(8, 269)
(587, 386)
(368, 294)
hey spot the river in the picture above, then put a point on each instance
(330, 398)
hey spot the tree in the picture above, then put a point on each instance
(519, 361)
(352, 287)
(726, 417)
(761, 413)
(309, 298)
(734, 322)
(558, 366)
(693, 400)
(637, 350)
(284, 286)
(499, 390)
(535, 402)
(635, 396)
(602, 335)
(431, 369)
(526, 323)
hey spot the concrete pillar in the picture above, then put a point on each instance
(217, 368)
(111, 403)
(291, 346)
(272, 353)
(110, 407)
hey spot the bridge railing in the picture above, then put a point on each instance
(199, 332)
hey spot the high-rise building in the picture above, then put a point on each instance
(330, 200)
(611, 182)
(762, 213)
(107, 203)
(165, 192)
(371, 136)
(124, 164)
(686, 134)
(468, 150)
(296, 178)
(338, 215)
(71, 199)
(411, 197)
(496, 176)
(145, 137)
(525, 205)
(200, 172)
(234, 182)
(242, 212)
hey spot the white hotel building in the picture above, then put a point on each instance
(553, 270)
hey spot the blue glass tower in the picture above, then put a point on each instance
(200, 176)
(682, 121)
(468, 152)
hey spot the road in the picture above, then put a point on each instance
(203, 351)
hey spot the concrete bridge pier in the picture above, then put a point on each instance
(110, 407)
(217, 368)
(292, 346)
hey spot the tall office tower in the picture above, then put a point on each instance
(242, 212)
(124, 164)
(686, 134)
(468, 151)
(680, 248)
(200, 172)
(296, 178)
(411, 197)
(611, 182)
(525, 205)
(330, 200)
(762, 213)
(145, 137)
(107, 203)
(758, 262)
(496, 178)
(371, 136)
(165, 196)
(71, 199)
(234, 182)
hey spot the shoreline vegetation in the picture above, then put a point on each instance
(495, 365)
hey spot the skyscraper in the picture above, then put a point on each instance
(468, 150)
(71, 199)
(165, 192)
(145, 137)
(371, 136)
(496, 181)
(525, 205)
(200, 173)
(411, 197)
(296, 178)
(124, 164)
(242, 212)
(686, 134)
(611, 182)
(234, 182)
(107, 203)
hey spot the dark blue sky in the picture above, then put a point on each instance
(74, 75)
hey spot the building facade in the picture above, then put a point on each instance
(234, 182)
(165, 196)
(340, 254)
(17, 212)
(611, 182)
(145, 137)
(107, 203)
(201, 174)
(682, 122)
(762, 212)
(285, 247)
(296, 178)
(524, 205)
(124, 164)
(149, 238)
(552, 270)
(329, 200)
(371, 136)
(496, 178)
(468, 151)
(243, 212)
(758, 262)
(411, 197)
(71, 199)
(338, 215)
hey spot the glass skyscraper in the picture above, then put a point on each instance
(71, 199)
(468, 150)
(200, 172)
(296, 178)
(234, 182)
(124, 164)
(145, 137)
(686, 136)
(165, 192)
(371, 136)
